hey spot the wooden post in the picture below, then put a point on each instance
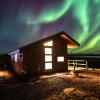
(86, 65)
(74, 65)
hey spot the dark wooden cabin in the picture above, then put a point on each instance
(48, 55)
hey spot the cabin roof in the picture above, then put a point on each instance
(70, 41)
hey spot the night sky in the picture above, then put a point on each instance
(24, 21)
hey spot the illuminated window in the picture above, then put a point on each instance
(16, 57)
(60, 59)
(48, 65)
(50, 43)
(48, 50)
(48, 58)
(48, 55)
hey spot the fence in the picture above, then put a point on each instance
(78, 63)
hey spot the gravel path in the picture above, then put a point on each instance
(61, 87)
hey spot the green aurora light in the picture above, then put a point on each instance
(47, 15)
(82, 12)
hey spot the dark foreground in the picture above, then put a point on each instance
(56, 87)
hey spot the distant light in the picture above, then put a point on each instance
(4, 74)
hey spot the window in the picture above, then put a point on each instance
(48, 58)
(16, 56)
(48, 50)
(50, 43)
(48, 54)
(48, 65)
(60, 59)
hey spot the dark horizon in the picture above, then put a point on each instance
(94, 54)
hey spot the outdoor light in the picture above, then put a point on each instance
(4, 74)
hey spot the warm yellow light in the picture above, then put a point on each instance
(5, 74)
(50, 43)
(48, 50)
(1, 74)
(48, 58)
(60, 59)
(48, 65)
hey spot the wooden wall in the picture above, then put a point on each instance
(60, 50)
(30, 60)
(34, 57)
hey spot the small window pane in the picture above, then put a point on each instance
(50, 43)
(60, 59)
(48, 65)
(48, 50)
(48, 58)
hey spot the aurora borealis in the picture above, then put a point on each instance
(24, 21)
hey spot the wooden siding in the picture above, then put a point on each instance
(34, 57)
(30, 60)
(60, 50)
